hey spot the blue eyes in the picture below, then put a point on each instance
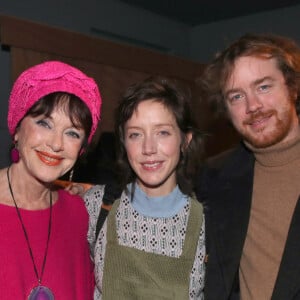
(264, 87)
(73, 134)
(135, 135)
(164, 133)
(44, 123)
(238, 96)
(235, 97)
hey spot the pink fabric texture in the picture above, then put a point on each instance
(49, 77)
(68, 270)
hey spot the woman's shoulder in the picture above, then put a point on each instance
(5, 194)
(69, 200)
(95, 192)
(93, 198)
(67, 196)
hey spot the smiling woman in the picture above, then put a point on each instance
(153, 242)
(152, 142)
(58, 122)
(53, 113)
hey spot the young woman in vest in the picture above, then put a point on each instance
(152, 244)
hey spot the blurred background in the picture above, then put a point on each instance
(119, 42)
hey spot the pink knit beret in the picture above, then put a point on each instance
(49, 77)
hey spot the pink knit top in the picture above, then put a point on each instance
(68, 271)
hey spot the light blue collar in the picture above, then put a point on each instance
(158, 207)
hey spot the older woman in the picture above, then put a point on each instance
(53, 113)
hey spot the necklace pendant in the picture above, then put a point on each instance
(41, 293)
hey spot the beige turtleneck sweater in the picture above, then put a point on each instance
(276, 190)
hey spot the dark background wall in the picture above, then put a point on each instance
(121, 22)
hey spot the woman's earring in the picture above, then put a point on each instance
(71, 175)
(14, 154)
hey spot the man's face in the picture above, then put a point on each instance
(259, 103)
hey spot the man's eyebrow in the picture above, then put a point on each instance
(261, 80)
(231, 91)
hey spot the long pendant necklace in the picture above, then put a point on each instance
(39, 292)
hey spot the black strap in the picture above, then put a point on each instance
(112, 192)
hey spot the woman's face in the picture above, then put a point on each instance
(48, 146)
(153, 143)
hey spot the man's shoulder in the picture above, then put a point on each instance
(223, 167)
(219, 159)
(233, 156)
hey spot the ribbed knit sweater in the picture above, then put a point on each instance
(276, 190)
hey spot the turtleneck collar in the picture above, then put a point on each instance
(157, 207)
(277, 155)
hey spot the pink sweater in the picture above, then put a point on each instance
(68, 271)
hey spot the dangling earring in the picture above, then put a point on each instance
(71, 175)
(14, 154)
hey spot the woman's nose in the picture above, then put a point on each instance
(56, 142)
(149, 145)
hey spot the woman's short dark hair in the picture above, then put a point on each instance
(174, 98)
(76, 109)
